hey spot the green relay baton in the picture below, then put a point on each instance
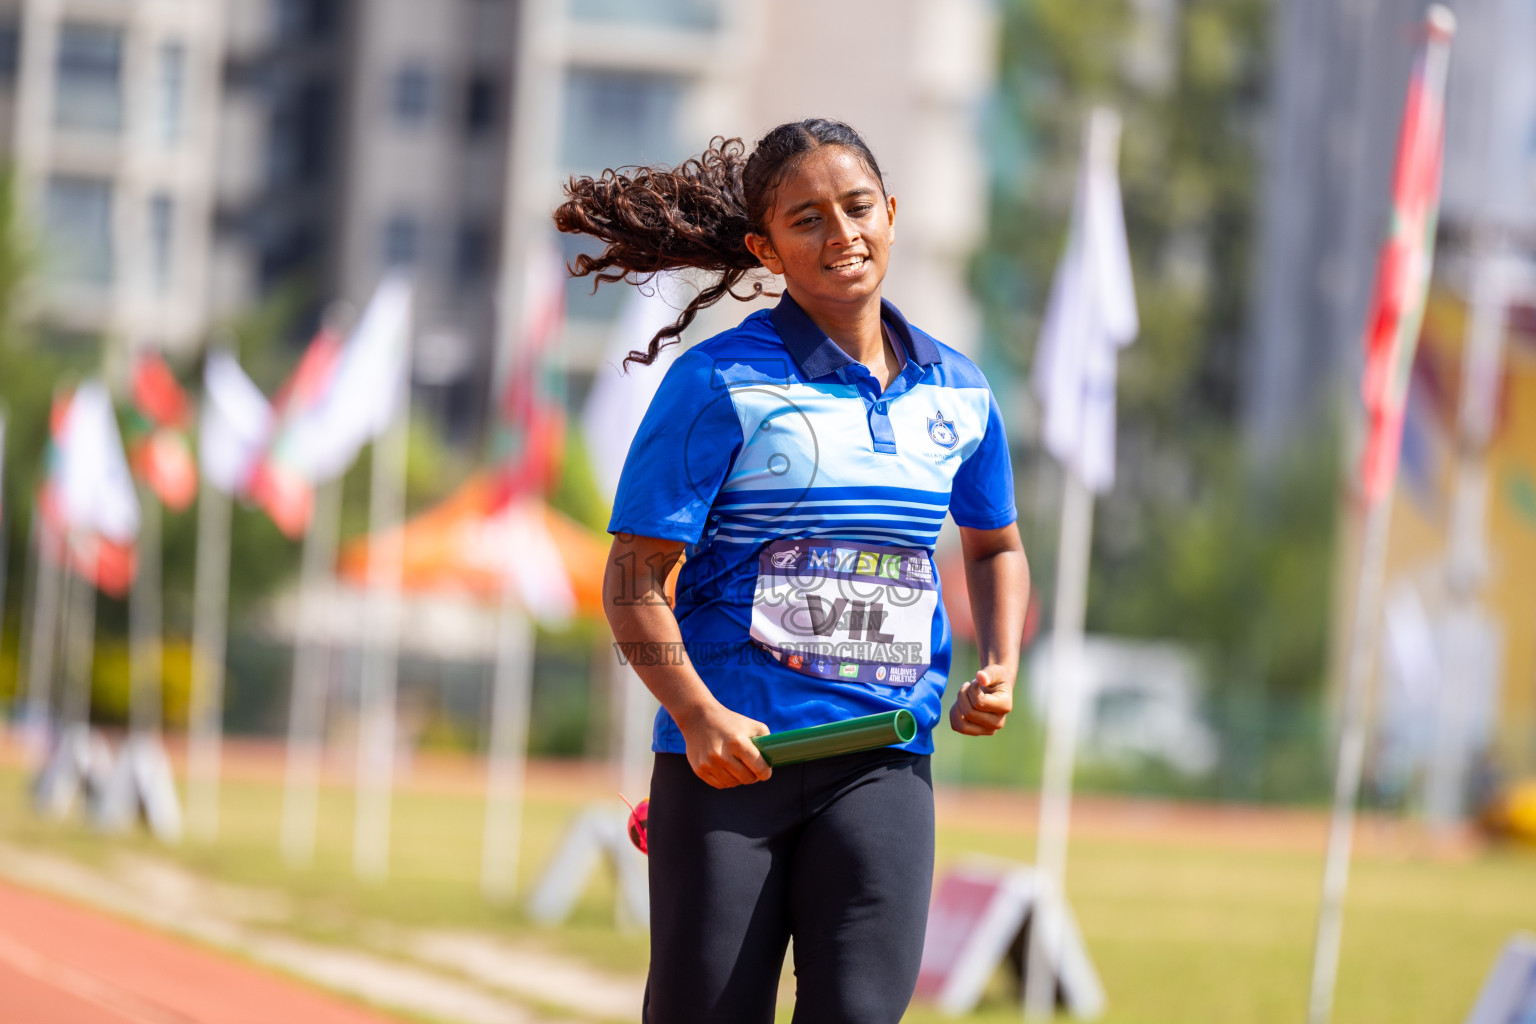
(866, 733)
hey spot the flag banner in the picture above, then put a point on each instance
(365, 391)
(279, 489)
(158, 449)
(95, 488)
(163, 460)
(87, 501)
(156, 394)
(342, 399)
(618, 399)
(1402, 274)
(1089, 317)
(235, 424)
(539, 328)
(536, 467)
(529, 440)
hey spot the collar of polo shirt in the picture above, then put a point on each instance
(818, 355)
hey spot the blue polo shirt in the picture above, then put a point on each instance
(770, 452)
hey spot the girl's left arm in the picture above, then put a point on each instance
(997, 578)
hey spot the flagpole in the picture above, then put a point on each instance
(507, 755)
(381, 664)
(80, 653)
(1346, 786)
(210, 624)
(530, 181)
(43, 647)
(311, 671)
(1466, 555)
(1062, 713)
(142, 775)
(637, 712)
(1368, 593)
(145, 654)
(1091, 314)
(29, 584)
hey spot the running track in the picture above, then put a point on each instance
(63, 965)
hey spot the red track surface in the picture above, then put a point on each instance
(63, 965)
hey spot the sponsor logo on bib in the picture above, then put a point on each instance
(863, 614)
(786, 559)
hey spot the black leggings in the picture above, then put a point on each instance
(837, 854)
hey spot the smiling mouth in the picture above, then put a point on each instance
(851, 263)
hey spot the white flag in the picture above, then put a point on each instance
(365, 392)
(236, 421)
(96, 492)
(617, 402)
(1090, 316)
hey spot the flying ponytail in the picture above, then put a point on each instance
(696, 215)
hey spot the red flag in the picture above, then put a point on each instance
(1402, 277)
(156, 394)
(158, 449)
(541, 323)
(531, 441)
(279, 489)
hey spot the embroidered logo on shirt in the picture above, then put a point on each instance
(942, 431)
(786, 559)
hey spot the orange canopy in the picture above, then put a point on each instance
(476, 536)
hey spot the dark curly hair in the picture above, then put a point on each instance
(695, 215)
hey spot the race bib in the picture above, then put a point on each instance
(839, 610)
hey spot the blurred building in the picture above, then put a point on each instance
(181, 161)
(109, 116)
(643, 81)
(368, 135)
(1340, 74)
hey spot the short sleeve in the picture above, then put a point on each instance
(982, 498)
(680, 455)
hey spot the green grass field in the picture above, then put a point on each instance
(1183, 930)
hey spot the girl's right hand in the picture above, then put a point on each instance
(720, 747)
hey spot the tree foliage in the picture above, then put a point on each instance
(1184, 547)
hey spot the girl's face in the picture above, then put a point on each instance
(830, 230)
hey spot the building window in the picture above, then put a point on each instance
(302, 131)
(480, 95)
(300, 19)
(79, 230)
(692, 14)
(620, 117)
(90, 78)
(473, 252)
(162, 222)
(402, 241)
(412, 95)
(10, 48)
(172, 99)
